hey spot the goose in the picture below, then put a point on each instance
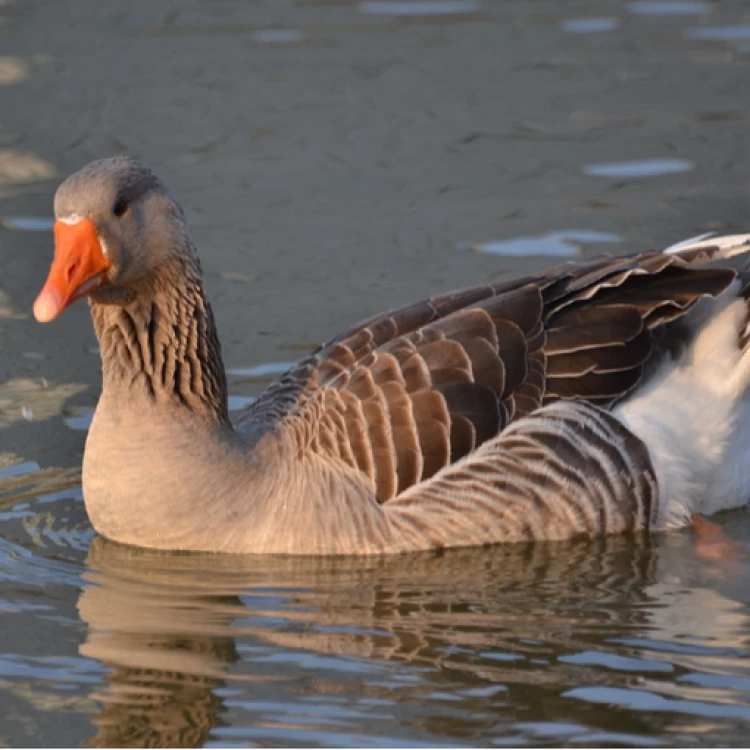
(603, 396)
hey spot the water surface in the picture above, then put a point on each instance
(620, 641)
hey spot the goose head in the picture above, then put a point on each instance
(115, 226)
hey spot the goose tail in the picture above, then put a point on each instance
(694, 415)
(709, 247)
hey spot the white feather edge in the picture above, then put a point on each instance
(729, 245)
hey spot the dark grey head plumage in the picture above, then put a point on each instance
(102, 183)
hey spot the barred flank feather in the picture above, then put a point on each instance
(569, 470)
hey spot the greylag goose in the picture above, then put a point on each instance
(605, 396)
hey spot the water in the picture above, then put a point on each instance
(334, 160)
(606, 641)
(669, 8)
(563, 244)
(262, 371)
(720, 33)
(589, 25)
(419, 8)
(27, 223)
(639, 168)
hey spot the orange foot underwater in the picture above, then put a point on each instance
(713, 543)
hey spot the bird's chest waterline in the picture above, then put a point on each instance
(147, 479)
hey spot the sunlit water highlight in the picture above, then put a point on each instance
(589, 25)
(639, 168)
(419, 8)
(669, 8)
(564, 244)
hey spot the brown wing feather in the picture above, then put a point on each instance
(435, 394)
(418, 388)
(599, 337)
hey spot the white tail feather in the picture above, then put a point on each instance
(729, 245)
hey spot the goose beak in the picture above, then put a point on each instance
(79, 267)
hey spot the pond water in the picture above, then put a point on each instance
(335, 158)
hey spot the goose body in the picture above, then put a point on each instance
(598, 397)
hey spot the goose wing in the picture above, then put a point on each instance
(408, 392)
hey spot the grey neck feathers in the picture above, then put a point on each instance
(163, 346)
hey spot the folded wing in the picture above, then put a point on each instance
(409, 392)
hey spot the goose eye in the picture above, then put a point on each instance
(120, 208)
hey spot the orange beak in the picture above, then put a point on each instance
(78, 268)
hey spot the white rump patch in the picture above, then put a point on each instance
(694, 418)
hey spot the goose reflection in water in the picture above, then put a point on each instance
(168, 642)
(501, 634)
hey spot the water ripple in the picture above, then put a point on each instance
(639, 168)
(641, 700)
(589, 25)
(419, 8)
(670, 7)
